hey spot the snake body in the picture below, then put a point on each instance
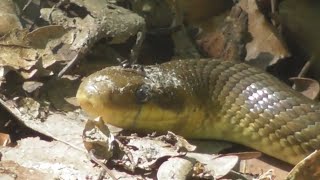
(207, 99)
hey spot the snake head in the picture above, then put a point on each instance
(133, 99)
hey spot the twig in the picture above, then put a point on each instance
(69, 65)
(274, 4)
(26, 6)
(105, 168)
(305, 69)
(134, 53)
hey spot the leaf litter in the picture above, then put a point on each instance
(41, 98)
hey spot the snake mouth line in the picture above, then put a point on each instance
(135, 119)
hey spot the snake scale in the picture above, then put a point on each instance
(207, 99)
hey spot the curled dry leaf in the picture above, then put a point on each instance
(308, 168)
(144, 153)
(266, 47)
(178, 141)
(228, 41)
(216, 166)
(306, 86)
(97, 137)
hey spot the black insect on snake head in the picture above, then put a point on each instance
(143, 94)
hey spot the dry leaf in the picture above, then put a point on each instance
(30, 53)
(145, 153)
(217, 166)
(97, 137)
(179, 142)
(266, 47)
(228, 41)
(306, 86)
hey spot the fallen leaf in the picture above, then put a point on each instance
(144, 153)
(266, 47)
(306, 86)
(30, 53)
(227, 41)
(178, 142)
(97, 137)
(217, 166)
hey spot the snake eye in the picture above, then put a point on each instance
(143, 94)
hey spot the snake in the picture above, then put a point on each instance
(206, 99)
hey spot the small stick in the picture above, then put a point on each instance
(93, 158)
(26, 6)
(69, 65)
(134, 53)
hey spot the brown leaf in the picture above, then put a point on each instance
(217, 166)
(228, 41)
(266, 43)
(31, 52)
(96, 136)
(306, 86)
